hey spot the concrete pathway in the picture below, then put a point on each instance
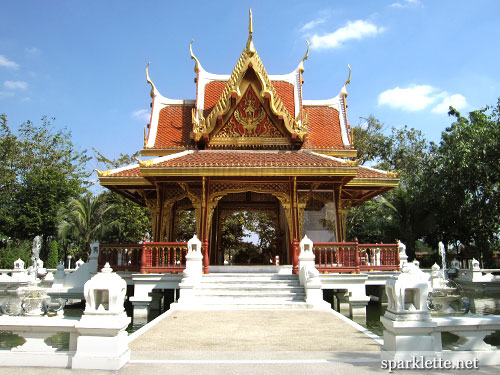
(250, 331)
(251, 343)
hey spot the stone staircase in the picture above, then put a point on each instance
(250, 291)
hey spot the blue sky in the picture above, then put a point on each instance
(83, 61)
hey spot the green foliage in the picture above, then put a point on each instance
(40, 169)
(53, 256)
(13, 250)
(466, 175)
(81, 221)
(186, 227)
(370, 141)
(131, 221)
(236, 227)
(398, 214)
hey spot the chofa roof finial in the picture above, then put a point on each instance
(197, 65)
(250, 49)
(153, 87)
(301, 64)
(344, 89)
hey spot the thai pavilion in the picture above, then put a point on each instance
(249, 141)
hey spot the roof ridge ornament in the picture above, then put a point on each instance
(344, 89)
(301, 64)
(250, 48)
(102, 173)
(197, 65)
(154, 91)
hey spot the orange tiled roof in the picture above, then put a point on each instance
(213, 91)
(323, 128)
(209, 158)
(364, 172)
(285, 92)
(174, 126)
(122, 172)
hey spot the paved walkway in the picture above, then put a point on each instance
(250, 331)
(250, 343)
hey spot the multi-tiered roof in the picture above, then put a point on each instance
(249, 123)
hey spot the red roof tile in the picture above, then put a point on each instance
(133, 172)
(213, 91)
(285, 92)
(323, 128)
(364, 172)
(257, 159)
(174, 126)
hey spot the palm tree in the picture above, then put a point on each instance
(81, 220)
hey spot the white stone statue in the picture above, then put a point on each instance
(94, 250)
(403, 258)
(475, 264)
(455, 263)
(35, 249)
(407, 294)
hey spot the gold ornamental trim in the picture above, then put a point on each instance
(144, 163)
(372, 182)
(249, 171)
(160, 151)
(107, 181)
(248, 56)
(351, 153)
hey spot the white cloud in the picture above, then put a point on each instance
(142, 114)
(353, 30)
(418, 97)
(15, 85)
(456, 101)
(6, 63)
(406, 4)
(312, 24)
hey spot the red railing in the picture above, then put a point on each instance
(121, 257)
(149, 257)
(352, 257)
(163, 257)
(379, 257)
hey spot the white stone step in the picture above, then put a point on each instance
(266, 287)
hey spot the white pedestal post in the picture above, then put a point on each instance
(103, 342)
(309, 276)
(193, 272)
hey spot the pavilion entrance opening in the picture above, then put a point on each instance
(249, 228)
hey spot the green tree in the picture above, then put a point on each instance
(400, 213)
(41, 169)
(82, 221)
(53, 256)
(132, 221)
(466, 177)
(370, 141)
(186, 227)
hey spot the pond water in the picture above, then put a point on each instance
(481, 304)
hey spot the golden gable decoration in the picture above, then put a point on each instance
(249, 59)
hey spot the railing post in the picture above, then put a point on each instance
(143, 257)
(398, 260)
(295, 247)
(100, 262)
(356, 256)
(206, 260)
